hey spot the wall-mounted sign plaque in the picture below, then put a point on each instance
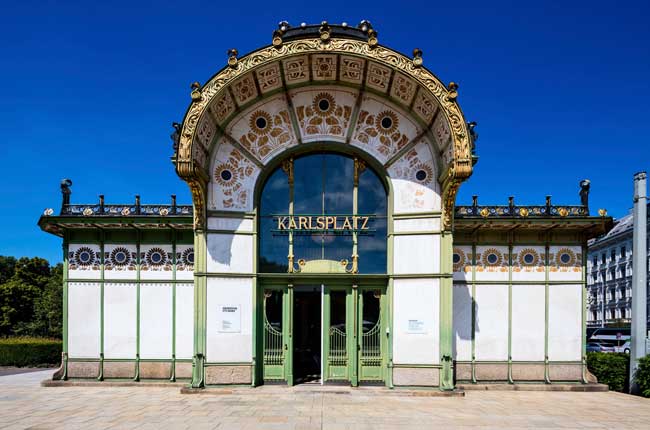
(228, 318)
(327, 224)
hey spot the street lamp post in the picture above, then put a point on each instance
(639, 276)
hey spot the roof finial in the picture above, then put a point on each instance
(65, 191)
(196, 91)
(232, 57)
(417, 57)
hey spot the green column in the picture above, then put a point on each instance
(446, 311)
(200, 295)
(64, 356)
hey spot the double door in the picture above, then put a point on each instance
(350, 329)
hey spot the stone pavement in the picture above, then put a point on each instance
(25, 404)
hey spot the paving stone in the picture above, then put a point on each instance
(25, 404)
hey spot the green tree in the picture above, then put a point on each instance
(30, 298)
(7, 268)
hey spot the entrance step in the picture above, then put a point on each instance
(325, 389)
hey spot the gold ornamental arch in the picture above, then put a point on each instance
(431, 103)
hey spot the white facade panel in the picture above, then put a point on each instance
(492, 263)
(184, 262)
(462, 325)
(528, 263)
(156, 262)
(528, 316)
(230, 253)
(416, 254)
(120, 261)
(184, 320)
(565, 323)
(156, 320)
(416, 321)
(232, 342)
(234, 224)
(120, 323)
(84, 319)
(410, 196)
(84, 261)
(462, 259)
(417, 224)
(491, 324)
(565, 263)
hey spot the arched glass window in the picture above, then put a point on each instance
(324, 208)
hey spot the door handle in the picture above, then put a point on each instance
(285, 347)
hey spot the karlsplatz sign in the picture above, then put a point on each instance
(323, 224)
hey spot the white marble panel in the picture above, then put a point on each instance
(264, 129)
(491, 324)
(120, 323)
(565, 323)
(323, 113)
(462, 262)
(382, 129)
(415, 182)
(565, 263)
(417, 224)
(84, 261)
(232, 180)
(489, 269)
(230, 253)
(416, 254)
(528, 263)
(528, 319)
(229, 347)
(233, 224)
(184, 320)
(184, 262)
(156, 317)
(156, 262)
(416, 303)
(120, 261)
(84, 319)
(462, 346)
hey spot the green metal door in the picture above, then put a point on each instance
(371, 340)
(277, 335)
(336, 339)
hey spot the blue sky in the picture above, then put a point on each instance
(88, 91)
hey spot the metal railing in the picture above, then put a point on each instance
(338, 353)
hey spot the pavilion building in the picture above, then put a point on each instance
(324, 243)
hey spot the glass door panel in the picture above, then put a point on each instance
(275, 345)
(372, 345)
(336, 339)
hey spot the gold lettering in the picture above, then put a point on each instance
(355, 219)
(365, 222)
(302, 222)
(281, 222)
(320, 223)
(329, 220)
(346, 224)
(292, 223)
(336, 222)
(310, 220)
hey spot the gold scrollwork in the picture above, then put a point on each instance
(461, 166)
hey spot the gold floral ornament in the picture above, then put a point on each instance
(565, 257)
(492, 257)
(88, 212)
(563, 212)
(225, 174)
(458, 259)
(323, 104)
(524, 212)
(387, 123)
(267, 132)
(260, 122)
(485, 212)
(424, 173)
(528, 257)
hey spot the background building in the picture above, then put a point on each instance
(609, 276)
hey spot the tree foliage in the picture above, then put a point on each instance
(30, 297)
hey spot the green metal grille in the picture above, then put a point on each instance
(371, 346)
(338, 354)
(272, 345)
